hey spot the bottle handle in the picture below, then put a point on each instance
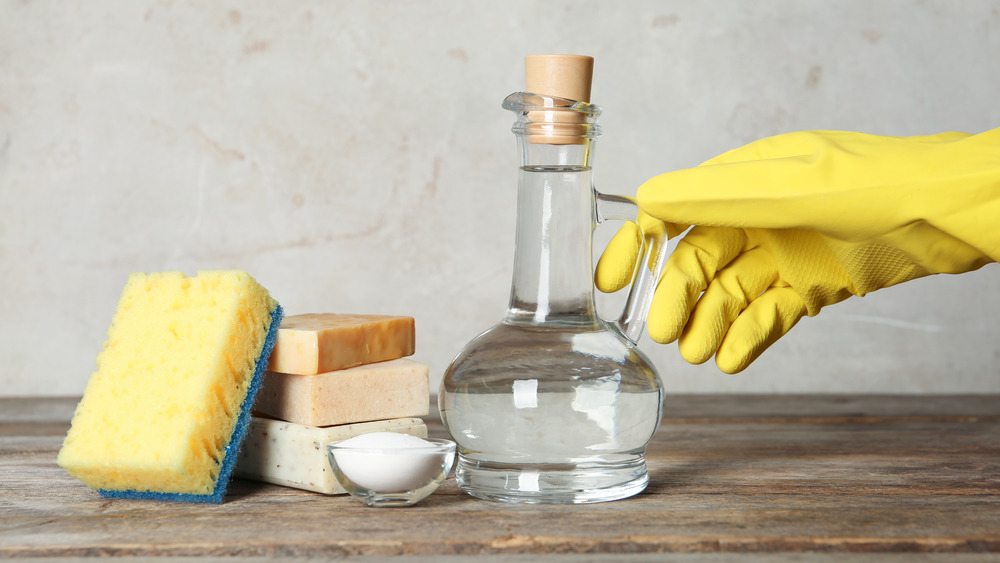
(632, 321)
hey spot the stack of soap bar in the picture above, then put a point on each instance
(333, 376)
(165, 412)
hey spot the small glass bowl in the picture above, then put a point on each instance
(400, 476)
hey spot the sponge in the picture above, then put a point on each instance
(165, 412)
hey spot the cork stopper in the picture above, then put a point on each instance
(559, 76)
(563, 76)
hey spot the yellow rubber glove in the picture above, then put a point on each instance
(790, 224)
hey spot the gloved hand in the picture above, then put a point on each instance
(790, 224)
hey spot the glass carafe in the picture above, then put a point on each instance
(554, 404)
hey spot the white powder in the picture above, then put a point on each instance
(388, 462)
(389, 440)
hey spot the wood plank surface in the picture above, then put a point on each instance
(729, 474)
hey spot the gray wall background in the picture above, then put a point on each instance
(353, 157)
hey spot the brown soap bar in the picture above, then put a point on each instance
(394, 389)
(317, 343)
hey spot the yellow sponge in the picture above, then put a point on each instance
(166, 410)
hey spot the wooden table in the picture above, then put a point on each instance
(783, 477)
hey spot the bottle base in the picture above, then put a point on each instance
(549, 483)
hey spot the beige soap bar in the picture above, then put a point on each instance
(317, 343)
(294, 455)
(393, 389)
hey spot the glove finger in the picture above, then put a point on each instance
(617, 263)
(691, 267)
(778, 182)
(946, 137)
(772, 193)
(817, 180)
(733, 289)
(764, 321)
(777, 146)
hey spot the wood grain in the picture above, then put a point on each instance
(730, 474)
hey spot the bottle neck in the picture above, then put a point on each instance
(553, 271)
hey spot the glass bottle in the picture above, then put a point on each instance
(554, 404)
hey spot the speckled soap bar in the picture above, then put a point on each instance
(294, 455)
